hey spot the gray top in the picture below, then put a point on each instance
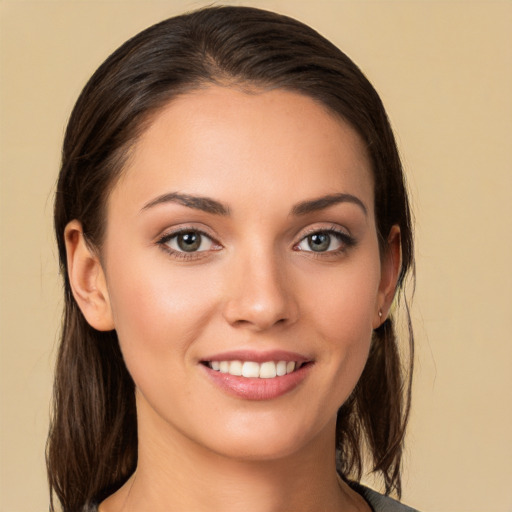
(380, 503)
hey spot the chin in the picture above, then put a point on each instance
(262, 442)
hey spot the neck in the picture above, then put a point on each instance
(175, 473)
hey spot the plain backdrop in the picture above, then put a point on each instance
(444, 71)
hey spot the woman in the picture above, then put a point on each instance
(233, 227)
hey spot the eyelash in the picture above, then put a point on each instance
(346, 240)
(164, 240)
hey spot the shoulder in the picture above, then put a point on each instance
(378, 502)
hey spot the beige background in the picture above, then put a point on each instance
(444, 71)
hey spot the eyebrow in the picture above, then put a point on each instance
(205, 204)
(323, 202)
(210, 205)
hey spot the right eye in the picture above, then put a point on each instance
(187, 241)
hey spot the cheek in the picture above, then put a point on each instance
(160, 310)
(342, 310)
(344, 302)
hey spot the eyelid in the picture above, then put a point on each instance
(326, 228)
(163, 239)
(185, 228)
(330, 228)
(347, 240)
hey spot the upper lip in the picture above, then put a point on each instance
(258, 356)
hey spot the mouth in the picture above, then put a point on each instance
(255, 370)
(257, 375)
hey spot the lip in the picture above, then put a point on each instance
(254, 388)
(258, 357)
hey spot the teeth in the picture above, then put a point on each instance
(235, 368)
(268, 370)
(281, 368)
(251, 369)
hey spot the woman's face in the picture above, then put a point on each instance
(241, 239)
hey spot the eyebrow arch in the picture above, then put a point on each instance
(323, 202)
(205, 204)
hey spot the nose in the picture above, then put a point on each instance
(260, 296)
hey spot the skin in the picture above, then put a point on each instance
(255, 284)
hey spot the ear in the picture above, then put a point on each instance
(87, 279)
(390, 270)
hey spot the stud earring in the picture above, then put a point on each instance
(380, 313)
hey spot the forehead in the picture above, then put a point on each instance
(233, 144)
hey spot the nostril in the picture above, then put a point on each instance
(259, 300)
(259, 322)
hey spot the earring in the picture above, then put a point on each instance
(380, 313)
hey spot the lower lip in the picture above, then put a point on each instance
(257, 389)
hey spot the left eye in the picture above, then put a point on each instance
(189, 241)
(322, 241)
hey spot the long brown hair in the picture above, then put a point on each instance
(92, 444)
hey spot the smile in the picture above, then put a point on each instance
(252, 369)
(249, 375)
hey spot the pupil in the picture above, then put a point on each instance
(189, 241)
(319, 242)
